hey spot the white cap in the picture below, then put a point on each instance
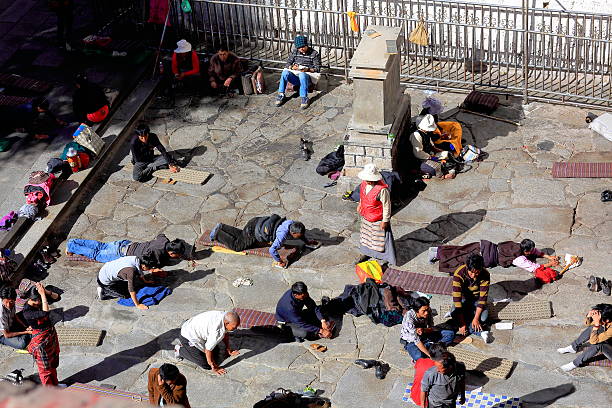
(71, 152)
(182, 46)
(427, 124)
(370, 173)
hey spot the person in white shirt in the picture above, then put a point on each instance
(201, 334)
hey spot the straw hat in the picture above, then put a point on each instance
(370, 173)
(182, 46)
(427, 124)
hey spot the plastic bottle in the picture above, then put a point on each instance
(390, 139)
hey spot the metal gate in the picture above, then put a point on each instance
(541, 54)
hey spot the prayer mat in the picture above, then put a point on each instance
(109, 393)
(582, 170)
(601, 361)
(490, 366)
(79, 258)
(190, 176)
(477, 399)
(10, 100)
(532, 310)
(286, 254)
(78, 336)
(441, 285)
(28, 84)
(250, 318)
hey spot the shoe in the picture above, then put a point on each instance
(594, 284)
(99, 291)
(304, 103)
(606, 286)
(361, 258)
(568, 349)
(486, 336)
(432, 255)
(568, 367)
(177, 352)
(324, 300)
(213, 233)
(298, 339)
(280, 98)
(347, 195)
(381, 370)
(365, 363)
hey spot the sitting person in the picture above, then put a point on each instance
(304, 324)
(224, 71)
(167, 386)
(37, 119)
(44, 346)
(470, 294)
(418, 331)
(89, 102)
(260, 231)
(449, 137)
(14, 332)
(144, 160)
(201, 335)
(596, 339)
(508, 253)
(420, 367)
(186, 65)
(161, 249)
(305, 59)
(425, 149)
(444, 383)
(122, 278)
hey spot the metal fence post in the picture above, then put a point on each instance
(525, 51)
(345, 28)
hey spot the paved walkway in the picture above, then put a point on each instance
(252, 149)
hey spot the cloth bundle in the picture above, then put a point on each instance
(28, 211)
(148, 296)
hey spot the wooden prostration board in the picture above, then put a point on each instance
(190, 176)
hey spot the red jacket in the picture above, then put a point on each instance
(195, 65)
(370, 207)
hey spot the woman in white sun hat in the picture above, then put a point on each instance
(375, 236)
(426, 151)
(186, 66)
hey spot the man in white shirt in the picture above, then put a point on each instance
(201, 334)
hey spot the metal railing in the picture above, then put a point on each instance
(538, 53)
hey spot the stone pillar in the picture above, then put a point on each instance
(378, 101)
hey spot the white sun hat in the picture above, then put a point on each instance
(370, 173)
(182, 46)
(427, 124)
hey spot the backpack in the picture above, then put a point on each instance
(369, 269)
(258, 82)
(247, 83)
(333, 161)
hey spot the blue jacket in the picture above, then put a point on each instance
(289, 310)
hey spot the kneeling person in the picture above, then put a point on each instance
(122, 278)
(444, 383)
(14, 332)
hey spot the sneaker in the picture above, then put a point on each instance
(568, 367)
(99, 291)
(177, 352)
(568, 349)
(432, 255)
(213, 233)
(486, 336)
(280, 98)
(304, 103)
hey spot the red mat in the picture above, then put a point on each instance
(582, 170)
(109, 393)
(250, 318)
(28, 84)
(286, 254)
(9, 100)
(600, 361)
(79, 258)
(441, 285)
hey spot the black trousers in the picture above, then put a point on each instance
(238, 239)
(115, 290)
(302, 333)
(197, 356)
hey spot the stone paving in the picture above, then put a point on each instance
(251, 147)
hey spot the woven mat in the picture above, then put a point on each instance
(250, 318)
(477, 399)
(490, 366)
(441, 285)
(581, 170)
(601, 361)
(9, 100)
(29, 84)
(532, 310)
(79, 258)
(190, 176)
(77, 336)
(109, 393)
(284, 253)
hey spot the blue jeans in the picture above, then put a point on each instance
(99, 251)
(17, 342)
(442, 336)
(303, 81)
(468, 309)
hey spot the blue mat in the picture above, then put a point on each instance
(475, 399)
(149, 296)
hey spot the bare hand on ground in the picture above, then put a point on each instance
(174, 169)
(219, 371)
(142, 307)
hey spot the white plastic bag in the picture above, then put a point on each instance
(603, 125)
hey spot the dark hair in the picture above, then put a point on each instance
(447, 359)
(168, 372)
(222, 47)
(8, 293)
(475, 261)
(602, 307)
(33, 294)
(299, 288)
(297, 228)
(176, 245)
(606, 315)
(527, 245)
(437, 349)
(148, 261)
(142, 129)
(419, 303)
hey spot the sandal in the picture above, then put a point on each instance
(318, 347)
